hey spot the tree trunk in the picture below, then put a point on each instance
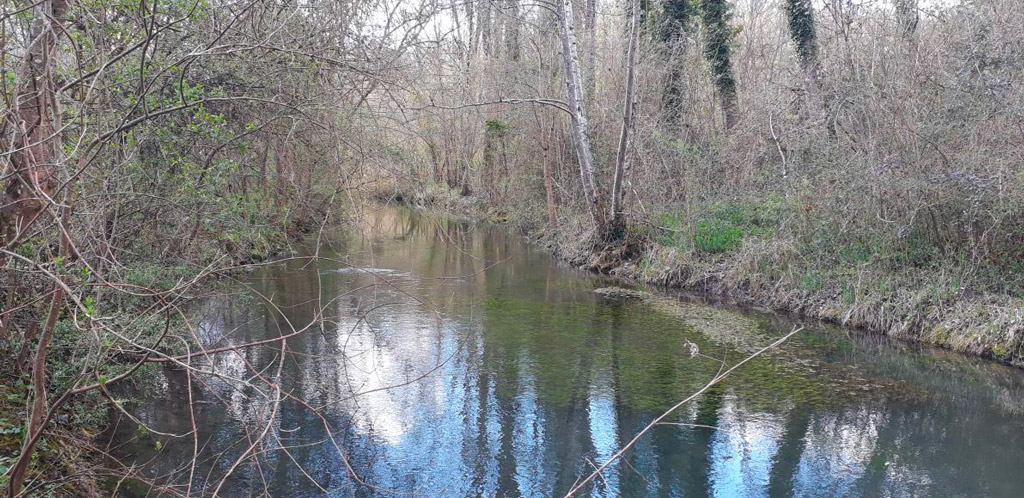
(580, 131)
(34, 426)
(906, 18)
(485, 26)
(618, 225)
(35, 117)
(37, 415)
(498, 18)
(800, 16)
(474, 34)
(549, 186)
(590, 24)
(32, 182)
(512, 31)
(718, 52)
(677, 15)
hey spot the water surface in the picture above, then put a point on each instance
(459, 361)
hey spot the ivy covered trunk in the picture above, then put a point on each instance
(718, 52)
(800, 17)
(494, 153)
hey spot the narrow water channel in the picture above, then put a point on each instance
(460, 361)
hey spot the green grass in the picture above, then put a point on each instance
(722, 226)
(813, 281)
(859, 252)
(672, 223)
(717, 236)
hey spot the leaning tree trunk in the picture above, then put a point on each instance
(618, 225)
(580, 131)
(718, 52)
(35, 119)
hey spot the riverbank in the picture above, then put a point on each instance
(68, 461)
(745, 260)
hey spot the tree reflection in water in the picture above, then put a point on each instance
(533, 380)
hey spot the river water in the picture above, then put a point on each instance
(460, 361)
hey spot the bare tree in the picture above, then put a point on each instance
(580, 128)
(484, 25)
(618, 226)
(474, 31)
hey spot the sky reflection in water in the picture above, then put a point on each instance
(529, 379)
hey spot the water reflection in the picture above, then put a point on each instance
(442, 373)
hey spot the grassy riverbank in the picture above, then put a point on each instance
(751, 251)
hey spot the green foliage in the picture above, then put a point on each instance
(859, 252)
(914, 252)
(849, 294)
(757, 217)
(719, 36)
(1001, 352)
(497, 128)
(677, 18)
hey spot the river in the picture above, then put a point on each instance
(455, 360)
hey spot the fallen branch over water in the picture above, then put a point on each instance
(717, 378)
